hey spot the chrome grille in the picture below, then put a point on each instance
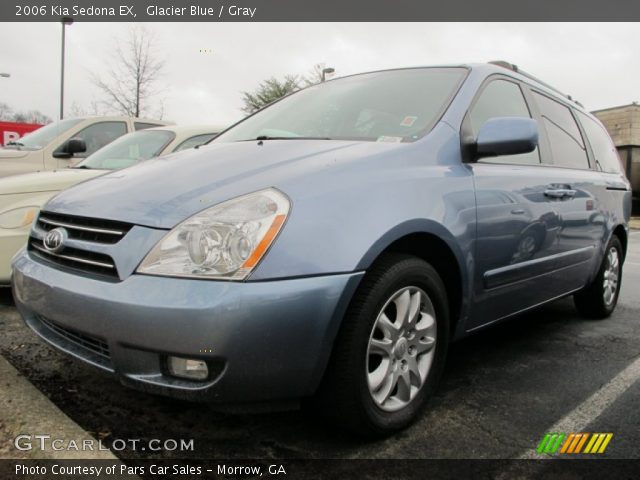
(79, 257)
(76, 259)
(86, 229)
(89, 343)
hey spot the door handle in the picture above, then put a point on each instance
(560, 192)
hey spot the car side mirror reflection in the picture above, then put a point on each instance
(506, 136)
(70, 148)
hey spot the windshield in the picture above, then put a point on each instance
(391, 106)
(45, 135)
(129, 149)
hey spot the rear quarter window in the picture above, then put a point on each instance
(567, 146)
(604, 151)
(144, 125)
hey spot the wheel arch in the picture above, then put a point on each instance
(621, 232)
(436, 245)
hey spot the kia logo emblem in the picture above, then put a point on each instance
(54, 240)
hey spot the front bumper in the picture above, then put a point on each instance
(11, 241)
(266, 340)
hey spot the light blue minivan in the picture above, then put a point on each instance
(332, 245)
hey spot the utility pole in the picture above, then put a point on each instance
(64, 22)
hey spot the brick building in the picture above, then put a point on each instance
(623, 124)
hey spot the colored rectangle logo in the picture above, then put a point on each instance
(574, 443)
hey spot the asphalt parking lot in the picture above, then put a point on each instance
(502, 391)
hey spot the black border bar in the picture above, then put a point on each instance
(552, 468)
(318, 10)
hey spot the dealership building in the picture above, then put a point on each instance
(623, 124)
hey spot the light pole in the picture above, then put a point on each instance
(5, 75)
(64, 22)
(325, 71)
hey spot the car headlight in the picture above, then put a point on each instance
(18, 217)
(222, 242)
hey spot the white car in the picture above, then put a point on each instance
(60, 144)
(21, 196)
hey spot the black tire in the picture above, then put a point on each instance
(590, 302)
(344, 395)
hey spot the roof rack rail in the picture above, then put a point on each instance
(514, 68)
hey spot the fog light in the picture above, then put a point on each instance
(188, 368)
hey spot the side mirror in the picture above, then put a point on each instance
(70, 148)
(506, 136)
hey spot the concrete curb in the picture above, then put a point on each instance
(24, 410)
(634, 223)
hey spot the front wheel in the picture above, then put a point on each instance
(390, 350)
(598, 300)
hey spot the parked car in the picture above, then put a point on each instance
(323, 248)
(22, 196)
(55, 145)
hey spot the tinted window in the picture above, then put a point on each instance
(604, 150)
(390, 106)
(129, 149)
(100, 134)
(567, 147)
(501, 98)
(143, 125)
(194, 141)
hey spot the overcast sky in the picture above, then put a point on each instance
(598, 64)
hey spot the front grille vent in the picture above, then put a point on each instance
(86, 342)
(79, 257)
(86, 229)
(82, 260)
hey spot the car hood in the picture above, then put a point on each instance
(45, 181)
(11, 153)
(161, 193)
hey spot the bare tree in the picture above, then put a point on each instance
(29, 116)
(132, 79)
(6, 112)
(268, 91)
(78, 110)
(315, 75)
(36, 116)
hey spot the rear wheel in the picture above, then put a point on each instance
(391, 348)
(599, 299)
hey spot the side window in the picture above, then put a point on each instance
(567, 147)
(194, 141)
(604, 150)
(144, 125)
(100, 134)
(501, 98)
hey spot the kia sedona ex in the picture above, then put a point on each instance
(329, 247)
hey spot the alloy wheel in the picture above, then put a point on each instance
(611, 275)
(401, 348)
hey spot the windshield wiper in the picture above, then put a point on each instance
(15, 145)
(82, 166)
(267, 137)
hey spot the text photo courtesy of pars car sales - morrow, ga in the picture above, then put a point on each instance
(290, 239)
